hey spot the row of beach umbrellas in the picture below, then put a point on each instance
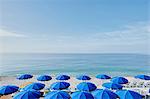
(80, 77)
(86, 90)
(98, 94)
(58, 94)
(83, 86)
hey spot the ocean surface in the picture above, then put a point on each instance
(74, 64)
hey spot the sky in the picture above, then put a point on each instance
(74, 26)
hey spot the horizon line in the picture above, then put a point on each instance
(72, 53)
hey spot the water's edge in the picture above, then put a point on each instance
(74, 64)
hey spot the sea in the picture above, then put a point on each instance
(113, 64)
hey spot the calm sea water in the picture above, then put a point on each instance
(75, 64)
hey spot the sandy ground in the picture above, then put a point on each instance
(73, 82)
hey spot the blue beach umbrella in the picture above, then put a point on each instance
(86, 86)
(143, 77)
(81, 95)
(83, 77)
(24, 76)
(59, 85)
(103, 76)
(44, 78)
(128, 94)
(119, 80)
(113, 86)
(28, 94)
(35, 86)
(104, 94)
(57, 95)
(9, 89)
(63, 77)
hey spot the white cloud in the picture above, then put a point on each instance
(128, 38)
(138, 31)
(4, 33)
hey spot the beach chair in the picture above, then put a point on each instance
(147, 84)
(130, 85)
(134, 89)
(144, 94)
(133, 84)
(140, 84)
(45, 92)
(147, 97)
(126, 85)
(148, 94)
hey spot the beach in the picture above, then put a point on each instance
(5, 80)
(11, 80)
(123, 65)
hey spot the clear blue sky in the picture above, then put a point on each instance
(74, 26)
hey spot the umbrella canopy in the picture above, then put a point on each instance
(144, 77)
(57, 95)
(59, 85)
(83, 77)
(35, 86)
(103, 76)
(28, 94)
(44, 78)
(86, 86)
(128, 94)
(112, 86)
(24, 76)
(119, 80)
(63, 77)
(9, 89)
(81, 95)
(104, 94)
